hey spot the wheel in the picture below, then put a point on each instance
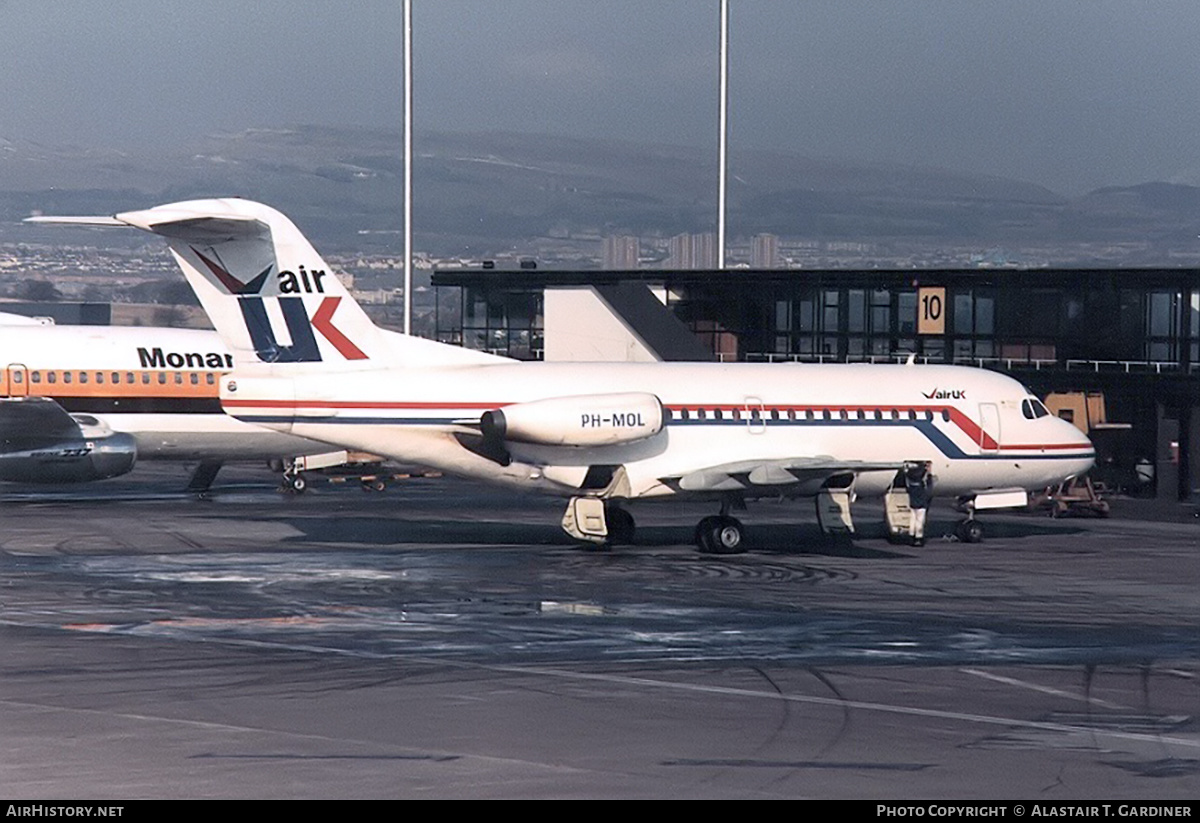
(719, 535)
(969, 531)
(704, 533)
(728, 537)
(621, 526)
(298, 484)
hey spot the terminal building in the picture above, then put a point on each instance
(1116, 351)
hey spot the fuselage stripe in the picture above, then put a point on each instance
(918, 416)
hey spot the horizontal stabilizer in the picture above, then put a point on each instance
(102, 220)
(178, 224)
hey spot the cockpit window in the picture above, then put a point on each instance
(1032, 408)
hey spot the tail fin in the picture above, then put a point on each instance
(269, 294)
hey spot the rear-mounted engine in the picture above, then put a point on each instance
(584, 420)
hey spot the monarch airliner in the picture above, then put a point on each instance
(80, 403)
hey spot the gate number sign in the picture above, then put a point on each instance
(931, 310)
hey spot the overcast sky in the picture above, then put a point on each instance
(1073, 94)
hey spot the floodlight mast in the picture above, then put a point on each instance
(724, 133)
(408, 182)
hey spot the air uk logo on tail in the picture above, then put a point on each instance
(231, 283)
(304, 347)
(322, 321)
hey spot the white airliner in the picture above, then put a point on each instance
(81, 403)
(310, 363)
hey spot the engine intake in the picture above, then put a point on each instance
(71, 461)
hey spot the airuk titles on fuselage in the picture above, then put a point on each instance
(301, 281)
(946, 394)
(156, 358)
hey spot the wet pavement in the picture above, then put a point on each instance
(443, 639)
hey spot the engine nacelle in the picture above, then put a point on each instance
(71, 461)
(584, 420)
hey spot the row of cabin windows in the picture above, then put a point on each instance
(115, 378)
(755, 415)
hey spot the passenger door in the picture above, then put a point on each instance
(16, 379)
(989, 427)
(755, 415)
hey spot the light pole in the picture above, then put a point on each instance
(408, 249)
(724, 127)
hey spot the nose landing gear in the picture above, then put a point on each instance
(969, 531)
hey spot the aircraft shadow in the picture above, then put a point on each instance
(764, 538)
(536, 527)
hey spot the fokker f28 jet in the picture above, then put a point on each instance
(310, 363)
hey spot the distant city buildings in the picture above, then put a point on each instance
(621, 252)
(764, 252)
(692, 251)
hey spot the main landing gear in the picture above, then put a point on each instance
(294, 481)
(202, 478)
(719, 534)
(621, 525)
(602, 523)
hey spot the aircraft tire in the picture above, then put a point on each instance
(703, 535)
(298, 484)
(970, 531)
(621, 526)
(720, 535)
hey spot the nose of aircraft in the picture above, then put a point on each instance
(1076, 442)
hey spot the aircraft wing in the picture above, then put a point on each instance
(762, 475)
